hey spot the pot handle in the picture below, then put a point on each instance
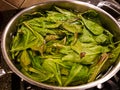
(112, 8)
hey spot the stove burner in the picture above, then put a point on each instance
(118, 1)
(18, 84)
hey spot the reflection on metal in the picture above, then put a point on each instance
(110, 5)
(2, 72)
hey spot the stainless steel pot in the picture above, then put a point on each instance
(107, 20)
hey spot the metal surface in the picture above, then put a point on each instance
(108, 21)
(2, 72)
(112, 8)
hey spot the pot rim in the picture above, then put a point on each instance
(15, 70)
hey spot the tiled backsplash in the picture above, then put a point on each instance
(17, 4)
(8, 8)
(28, 3)
(5, 6)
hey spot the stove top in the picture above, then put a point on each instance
(11, 81)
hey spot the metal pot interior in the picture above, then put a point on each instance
(108, 21)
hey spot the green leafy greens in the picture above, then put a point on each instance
(63, 48)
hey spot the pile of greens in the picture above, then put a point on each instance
(63, 48)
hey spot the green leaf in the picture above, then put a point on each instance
(52, 67)
(82, 77)
(105, 38)
(25, 39)
(73, 73)
(43, 31)
(95, 69)
(92, 53)
(77, 47)
(37, 75)
(73, 57)
(101, 38)
(56, 16)
(89, 59)
(115, 53)
(25, 58)
(92, 15)
(113, 57)
(72, 27)
(65, 12)
(37, 62)
(93, 27)
(86, 36)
